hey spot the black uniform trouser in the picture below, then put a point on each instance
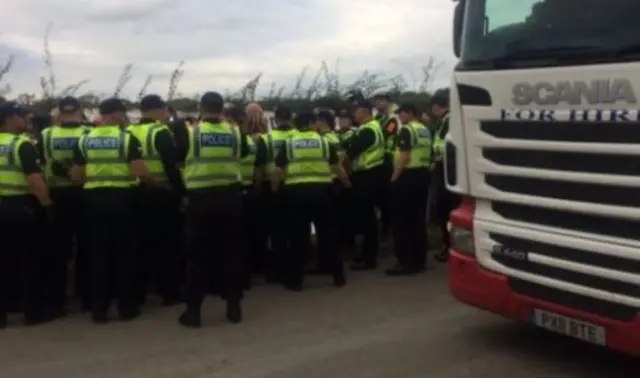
(278, 231)
(409, 195)
(113, 248)
(67, 233)
(442, 202)
(20, 258)
(343, 203)
(215, 245)
(256, 234)
(384, 197)
(181, 242)
(158, 241)
(367, 186)
(310, 203)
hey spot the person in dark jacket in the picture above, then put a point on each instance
(442, 201)
(158, 205)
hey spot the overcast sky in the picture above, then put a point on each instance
(223, 43)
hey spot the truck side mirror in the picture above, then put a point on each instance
(457, 27)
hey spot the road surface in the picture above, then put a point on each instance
(376, 327)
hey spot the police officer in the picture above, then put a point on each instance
(23, 194)
(346, 128)
(253, 209)
(366, 153)
(305, 164)
(346, 132)
(442, 201)
(109, 160)
(325, 125)
(35, 124)
(266, 148)
(214, 216)
(409, 193)
(354, 97)
(385, 115)
(158, 205)
(179, 130)
(56, 146)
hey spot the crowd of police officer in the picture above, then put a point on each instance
(193, 209)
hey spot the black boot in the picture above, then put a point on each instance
(400, 270)
(41, 317)
(191, 318)
(293, 286)
(99, 318)
(364, 266)
(128, 314)
(86, 305)
(443, 256)
(170, 300)
(319, 270)
(234, 312)
(339, 280)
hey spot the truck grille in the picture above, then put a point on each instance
(574, 191)
(610, 310)
(566, 275)
(587, 132)
(585, 223)
(562, 161)
(606, 192)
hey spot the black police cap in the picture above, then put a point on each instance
(151, 102)
(68, 104)
(327, 117)
(111, 105)
(440, 97)
(283, 113)
(12, 108)
(365, 104)
(212, 99)
(304, 119)
(408, 108)
(235, 113)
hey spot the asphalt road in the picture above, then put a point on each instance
(376, 327)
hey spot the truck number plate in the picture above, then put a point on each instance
(564, 325)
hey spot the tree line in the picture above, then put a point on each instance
(323, 88)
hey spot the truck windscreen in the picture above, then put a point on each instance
(537, 33)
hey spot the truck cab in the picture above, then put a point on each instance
(544, 146)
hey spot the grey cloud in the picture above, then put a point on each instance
(169, 35)
(24, 61)
(26, 67)
(132, 13)
(166, 30)
(156, 36)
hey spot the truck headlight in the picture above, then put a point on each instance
(461, 240)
